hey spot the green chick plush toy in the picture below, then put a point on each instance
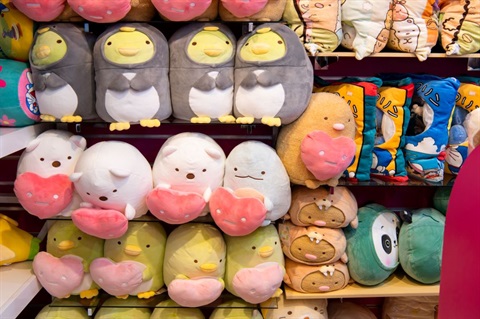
(64, 268)
(63, 309)
(251, 257)
(194, 264)
(169, 309)
(131, 308)
(236, 309)
(133, 263)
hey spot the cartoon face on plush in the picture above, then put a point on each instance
(293, 309)
(182, 10)
(210, 46)
(264, 45)
(49, 47)
(128, 46)
(385, 229)
(101, 11)
(334, 280)
(306, 249)
(40, 10)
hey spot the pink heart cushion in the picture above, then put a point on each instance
(181, 10)
(236, 216)
(101, 11)
(175, 207)
(117, 279)
(326, 157)
(59, 276)
(101, 223)
(247, 285)
(195, 292)
(242, 8)
(43, 197)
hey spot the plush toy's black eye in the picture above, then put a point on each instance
(289, 313)
(221, 260)
(235, 169)
(246, 44)
(325, 118)
(387, 244)
(79, 238)
(88, 193)
(69, 157)
(42, 159)
(194, 43)
(147, 42)
(227, 42)
(280, 42)
(119, 242)
(54, 239)
(253, 247)
(263, 173)
(315, 308)
(176, 170)
(114, 191)
(204, 170)
(109, 43)
(195, 261)
(59, 41)
(148, 246)
(275, 242)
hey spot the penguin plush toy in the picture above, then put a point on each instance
(131, 73)
(273, 76)
(62, 68)
(201, 73)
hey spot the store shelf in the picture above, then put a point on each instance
(18, 286)
(390, 54)
(397, 285)
(13, 139)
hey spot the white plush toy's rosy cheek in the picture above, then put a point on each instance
(101, 223)
(236, 216)
(326, 157)
(117, 279)
(195, 292)
(59, 276)
(175, 207)
(43, 197)
(242, 9)
(181, 10)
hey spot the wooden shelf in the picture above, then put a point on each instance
(13, 139)
(18, 286)
(397, 285)
(351, 54)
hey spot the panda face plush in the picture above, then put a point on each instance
(385, 229)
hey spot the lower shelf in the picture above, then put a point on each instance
(397, 285)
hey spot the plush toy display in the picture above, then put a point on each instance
(418, 307)
(318, 147)
(459, 23)
(184, 183)
(133, 263)
(114, 308)
(414, 27)
(40, 10)
(64, 268)
(62, 309)
(15, 244)
(316, 279)
(425, 152)
(17, 32)
(201, 72)
(420, 245)
(18, 106)
(236, 309)
(320, 208)
(141, 10)
(313, 245)
(393, 114)
(256, 10)
(272, 84)
(131, 75)
(372, 248)
(361, 94)
(296, 308)
(254, 256)
(187, 10)
(62, 68)
(366, 26)
(113, 179)
(42, 185)
(169, 309)
(194, 264)
(256, 177)
(101, 11)
(340, 309)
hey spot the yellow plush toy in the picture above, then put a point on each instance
(318, 146)
(15, 244)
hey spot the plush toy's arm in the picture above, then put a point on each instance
(207, 193)
(181, 276)
(39, 82)
(344, 258)
(143, 81)
(147, 274)
(268, 204)
(86, 205)
(205, 83)
(268, 79)
(130, 212)
(224, 80)
(249, 81)
(119, 83)
(53, 81)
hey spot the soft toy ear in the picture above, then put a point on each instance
(120, 172)
(32, 145)
(80, 141)
(213, 153)
(169, 150)
(75, 177)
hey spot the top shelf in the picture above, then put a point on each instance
(13, 139)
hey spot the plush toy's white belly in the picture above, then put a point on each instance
(58, 102)
(214, 103)
(132, 106)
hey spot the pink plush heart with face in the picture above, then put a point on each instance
(326, 157)
(247, 285)
(181, 10)
(195, 292)
(101, 223)
(236, 216)
(43, 197)
(242, 8)
(117, 279)
(59, 276)
(101, 11)
(40, 10)
(175, 207)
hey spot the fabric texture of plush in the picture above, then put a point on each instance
(187, 10)
(343, 309)
(17, 32)
(101, 11)
(312, 309)
(256, 10)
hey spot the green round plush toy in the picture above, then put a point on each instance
(440, 199)
(372, 248)
(236, 309)
(420, 245)
(115, 308)
(169, 309)
(58, 309)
